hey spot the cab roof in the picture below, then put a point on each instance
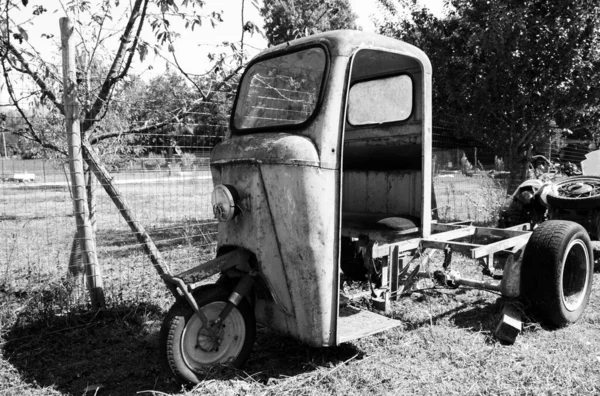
(346, 42)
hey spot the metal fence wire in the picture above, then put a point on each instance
(167, 183)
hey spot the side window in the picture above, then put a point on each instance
(382, 100)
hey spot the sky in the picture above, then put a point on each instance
(191, 48)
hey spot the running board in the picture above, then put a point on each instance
(354, 323)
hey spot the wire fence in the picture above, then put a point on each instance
(167, 183)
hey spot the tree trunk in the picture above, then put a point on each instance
(518, 165)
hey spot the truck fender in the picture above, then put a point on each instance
(238, 259)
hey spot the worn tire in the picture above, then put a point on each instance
(557, 271)
(558, 199)
(179, 348)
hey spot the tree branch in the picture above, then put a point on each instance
(208, 97)
(112, 77)
(144, 129)
(33, 134)
(46, 91)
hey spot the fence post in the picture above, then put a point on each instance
(85, 233)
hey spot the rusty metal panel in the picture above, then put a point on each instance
(325, 130)
(290, 222)
(253, 229)
(308, 245)
(277, 148)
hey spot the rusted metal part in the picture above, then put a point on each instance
(511, 239)
(511, 277)
(454, 279)
(510, 325)
(395, 270)
(447, 257)
(238, 258)
(520, 227)
(295, 270)
(516, 241)
(186, 292)
(408, 281)
(239, 293)
(268, 148)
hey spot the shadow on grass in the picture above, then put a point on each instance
(117, 350)
(114, 349)
(481, 314)
(275, 356)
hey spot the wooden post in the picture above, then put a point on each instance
(80, 207)
(394, 263)
(476, 164)
(91, 181)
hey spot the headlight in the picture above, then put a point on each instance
(225, 201)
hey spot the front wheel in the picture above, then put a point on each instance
(557, 271)
(188, 350)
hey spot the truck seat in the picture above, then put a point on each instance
(379, 227)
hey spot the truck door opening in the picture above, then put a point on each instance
(382, 167)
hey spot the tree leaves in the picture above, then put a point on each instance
(39, 10)
(289, 19)
(22, 34)
(143, 50)
(508, 68)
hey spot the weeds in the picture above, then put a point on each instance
(469, 198)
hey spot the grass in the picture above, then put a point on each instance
(53, 345)
(444, 346)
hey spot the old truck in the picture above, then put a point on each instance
(327, 169)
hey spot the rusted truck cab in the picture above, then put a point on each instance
(326, 173)
(329, 135)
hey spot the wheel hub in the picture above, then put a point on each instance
(580, 189)
(209, 338)
(203, 346)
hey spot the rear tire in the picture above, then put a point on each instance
(557, 271)
(187, 353)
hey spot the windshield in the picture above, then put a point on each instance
(281, 91)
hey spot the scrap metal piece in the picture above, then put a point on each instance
(447, 257)
(510, 325)
(409, 281)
